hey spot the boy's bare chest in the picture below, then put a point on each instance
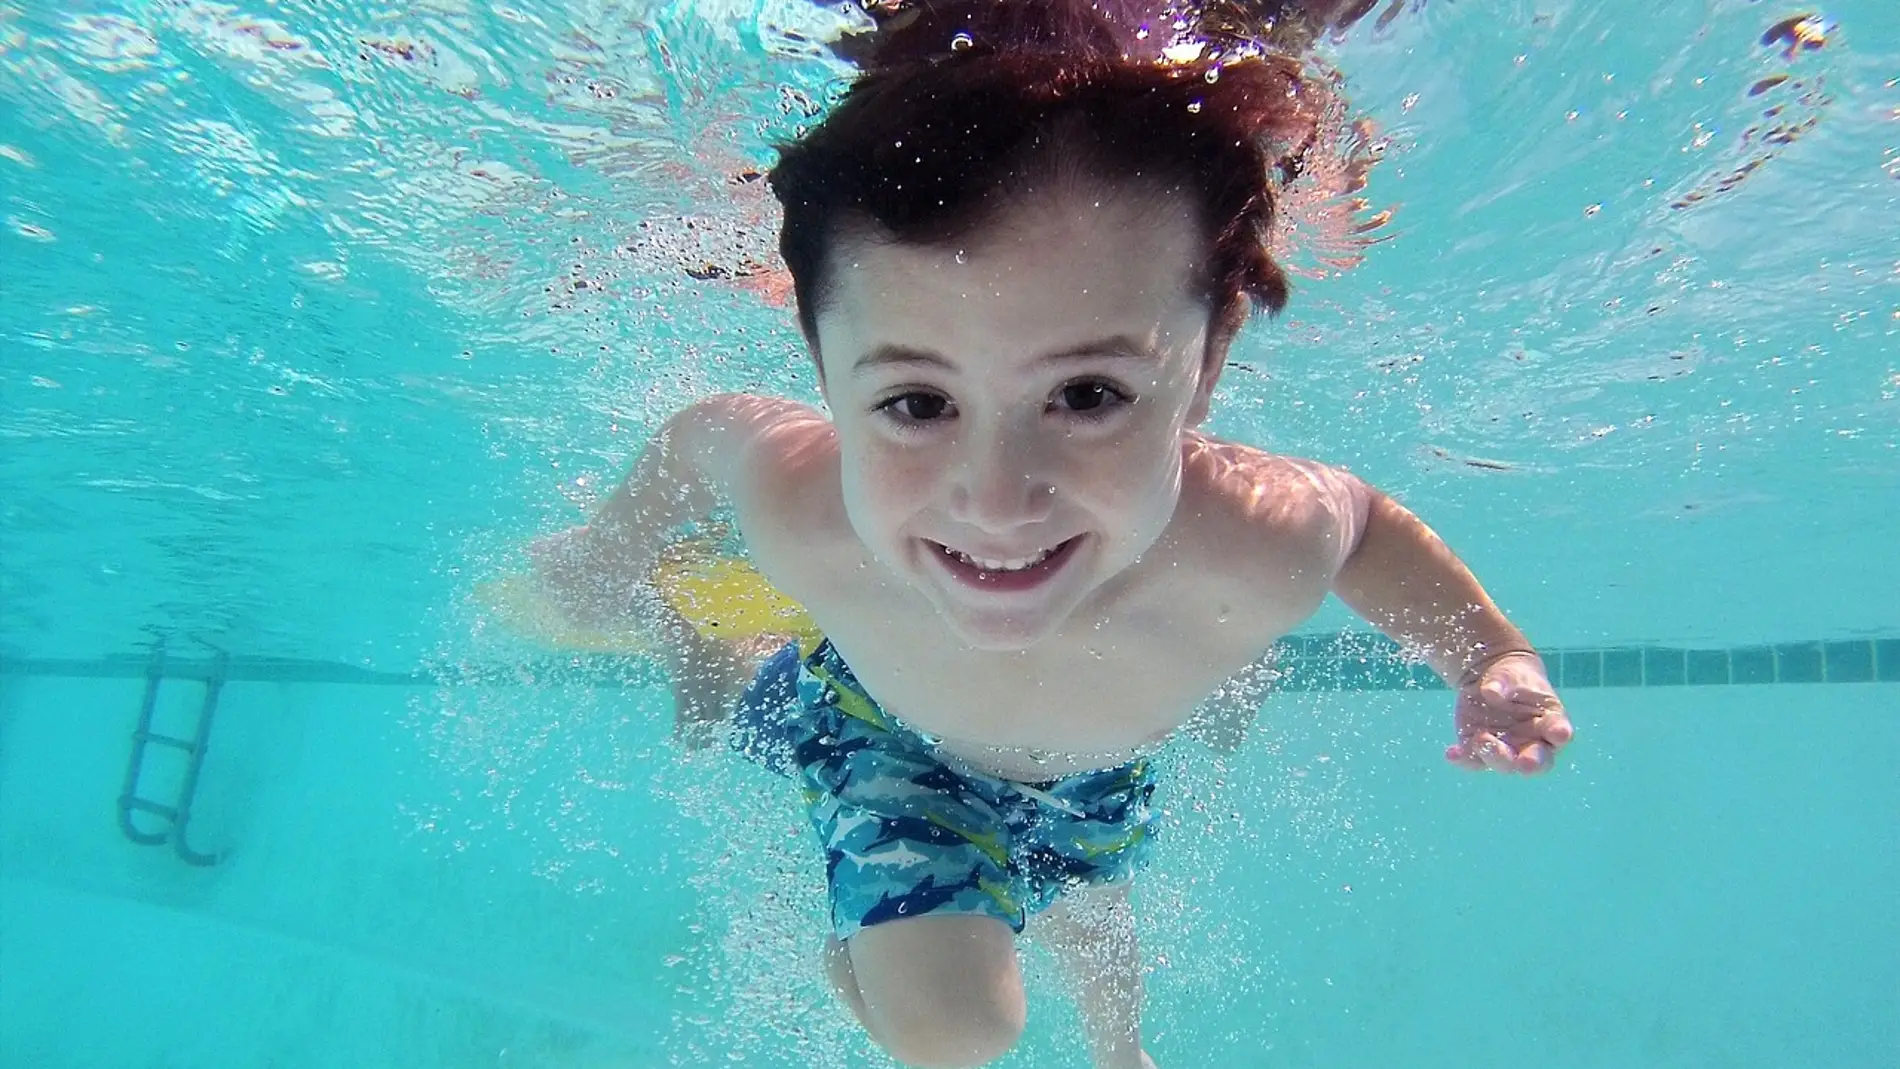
(1077, 701)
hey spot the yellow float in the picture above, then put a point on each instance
(720, 595)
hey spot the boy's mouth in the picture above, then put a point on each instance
(1005, 574)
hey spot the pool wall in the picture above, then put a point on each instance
(1707, 882)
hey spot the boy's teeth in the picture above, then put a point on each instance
(993, 565)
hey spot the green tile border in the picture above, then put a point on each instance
(1665, 667)
(1848, 662)
(1887, 660)
(1580, 668)
(1623, 667)
(1752, 664)
(1353, 661)
(593, 670)
(1799, 662)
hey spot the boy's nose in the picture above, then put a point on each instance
(999, 485)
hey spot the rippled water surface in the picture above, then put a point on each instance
(312, 310)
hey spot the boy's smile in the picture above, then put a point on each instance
(999, 575)
(1009, 406)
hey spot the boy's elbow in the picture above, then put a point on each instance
(712, 433)
(722, 412)
(1355, 504)
(693, 424)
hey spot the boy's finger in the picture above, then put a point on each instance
(1555, 729)
(1458, 755)
(1481, 750)
(1496, 690)
(1551, 729)
(1496, 755)
(1534, 759)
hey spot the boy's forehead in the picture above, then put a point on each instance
(1036, 268)
(1070, 222)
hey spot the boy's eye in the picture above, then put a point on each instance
(1090, 396)
(918, 407)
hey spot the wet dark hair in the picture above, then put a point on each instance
(962, 104)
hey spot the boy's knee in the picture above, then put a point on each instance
(955, 1034)
(940, 991)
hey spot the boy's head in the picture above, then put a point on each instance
(963, 100)
(1019, 262)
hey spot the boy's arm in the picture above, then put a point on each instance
(595, 573)
(1404, 580)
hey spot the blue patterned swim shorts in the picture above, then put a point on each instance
(907, 835)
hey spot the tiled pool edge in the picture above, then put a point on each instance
(1348, 662)
(1371, 662)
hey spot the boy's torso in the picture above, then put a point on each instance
(1246, 558)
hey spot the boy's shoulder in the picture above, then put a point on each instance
(1248, 504)
(782, 440)
(787, 492)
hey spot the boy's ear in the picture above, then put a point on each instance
(1220, 335)
(817, 366)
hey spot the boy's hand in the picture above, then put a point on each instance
(1509, 717)
(581, 580)
(708, 676)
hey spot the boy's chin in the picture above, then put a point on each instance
(999, 633)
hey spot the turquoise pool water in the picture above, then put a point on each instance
(311, 313)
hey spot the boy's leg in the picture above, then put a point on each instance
(843, 980)
(1223, 720)
(1092, 932)
(708, 676)
(934, 990)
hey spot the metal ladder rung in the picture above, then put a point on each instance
(186, 745)
(146, 805)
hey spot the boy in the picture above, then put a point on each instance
(1019, 268)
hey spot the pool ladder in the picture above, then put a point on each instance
(176, 814)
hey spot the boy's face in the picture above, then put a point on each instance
(1010, 410)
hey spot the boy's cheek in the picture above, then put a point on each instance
(1151, 451)
(886, 478)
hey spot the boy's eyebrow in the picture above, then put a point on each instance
(1119, 347)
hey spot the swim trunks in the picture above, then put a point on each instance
(905, 833)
